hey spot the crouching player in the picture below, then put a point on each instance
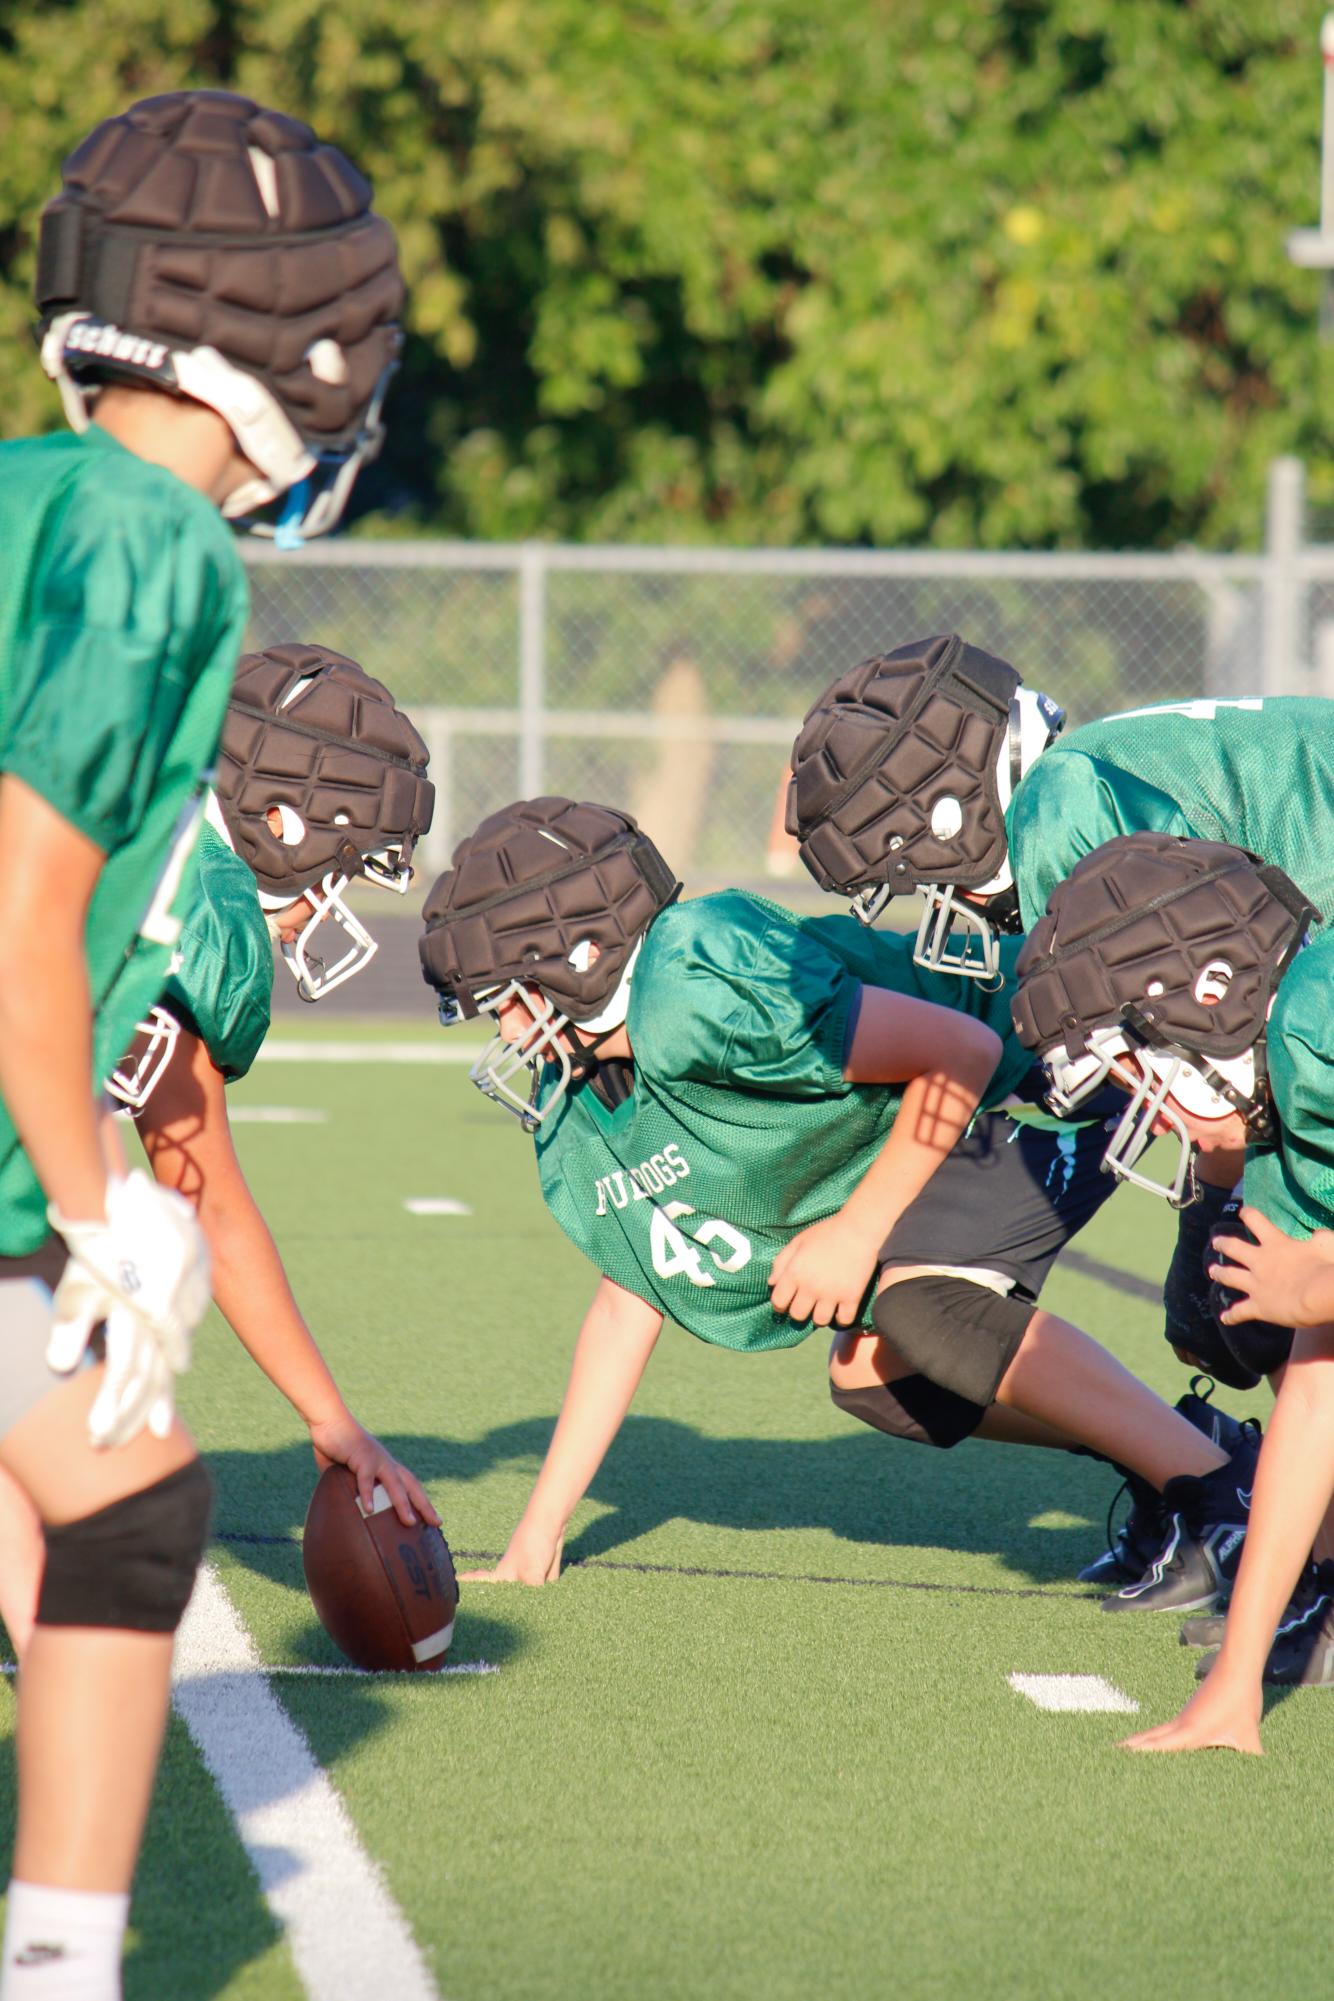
(933, 768)
(1177, 969)
(196, 351)
(750, 1124)
(320, 779)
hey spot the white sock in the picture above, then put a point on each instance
(62, 1945)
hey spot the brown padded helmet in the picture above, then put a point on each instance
(1136, 928)
(534, 882)
(310, 730)
(882, 746)
(199, 231)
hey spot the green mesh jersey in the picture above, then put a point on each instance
(1259, 773)
(221, 978)
(741, 1128)
(1293, 1183)
(122, 605)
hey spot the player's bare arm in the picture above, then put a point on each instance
(617, 1337)
(946, 1059)
(188, 1140)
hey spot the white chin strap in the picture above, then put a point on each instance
(144, 1064)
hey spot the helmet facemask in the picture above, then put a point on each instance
(552, 1042)
(144, 1064)
(961, 929)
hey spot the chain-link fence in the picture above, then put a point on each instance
(672, 681)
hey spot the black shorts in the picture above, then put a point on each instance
(1008, 1199)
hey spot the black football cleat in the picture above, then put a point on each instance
(1132, 1549)
(1316, 1581)
(1302, 1655)
(1206, 1528)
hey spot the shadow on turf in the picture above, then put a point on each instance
(862, 1488)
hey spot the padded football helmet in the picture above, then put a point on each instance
(203, 245)
(901, 777)
(320, 779)
(546, 904)
(1156, 964)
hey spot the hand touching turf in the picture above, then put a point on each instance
(341, 1441)
(533, 1557)
(1280, 1278)
(823, 1273)
(1217, 1717)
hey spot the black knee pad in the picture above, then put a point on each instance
(912, 1408)
(960, 1335)
(131, 1565)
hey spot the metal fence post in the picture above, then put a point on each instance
(532, 669)
(1283, 584)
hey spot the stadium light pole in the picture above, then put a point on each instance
(1313, 249)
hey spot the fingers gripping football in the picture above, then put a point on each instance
(144, 1272)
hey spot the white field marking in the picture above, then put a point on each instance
(443, 1051)
(275, 1115)
(1068, 1692)
(435, 1205)
(347, 1935)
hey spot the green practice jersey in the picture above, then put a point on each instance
(741, 1128)
(122, 605)
(221, 979)
(1258, 773)
(1293, 1183)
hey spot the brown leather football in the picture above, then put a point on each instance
(386, 1595)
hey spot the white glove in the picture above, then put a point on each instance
(145, 1271)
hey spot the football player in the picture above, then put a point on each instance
(934, 768)
(755, 1124)
(1177, 969)
(218, 305)
(320, 779)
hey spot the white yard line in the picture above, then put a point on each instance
(348, 1937)
(435, 1205)
(443, 1051)
(1074, 1692)
(275, 1115)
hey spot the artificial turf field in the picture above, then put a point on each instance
(760, 1739)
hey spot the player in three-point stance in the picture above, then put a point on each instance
(933, 768)
(752, 1124)
(320, 779)
(196, 386)
(1178, 969)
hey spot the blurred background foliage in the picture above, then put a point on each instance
(963, 273)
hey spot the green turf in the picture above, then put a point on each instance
(811, 1779)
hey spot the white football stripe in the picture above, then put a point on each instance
(348, 1937)
(275, 1115)
(435, 1205)
(434, 1643)
(1068, 1692)
(443, 1051)
(362, 1674)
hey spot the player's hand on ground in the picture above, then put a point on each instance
(341, 1441)
(1217, 1717)
(533, 1557)
(144, 1272)
(823, 1273)
(1276, 1275)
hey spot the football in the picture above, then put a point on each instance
(385, 1594)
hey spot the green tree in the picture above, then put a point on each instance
(953, 272)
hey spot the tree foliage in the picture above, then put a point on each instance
(952, 272)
